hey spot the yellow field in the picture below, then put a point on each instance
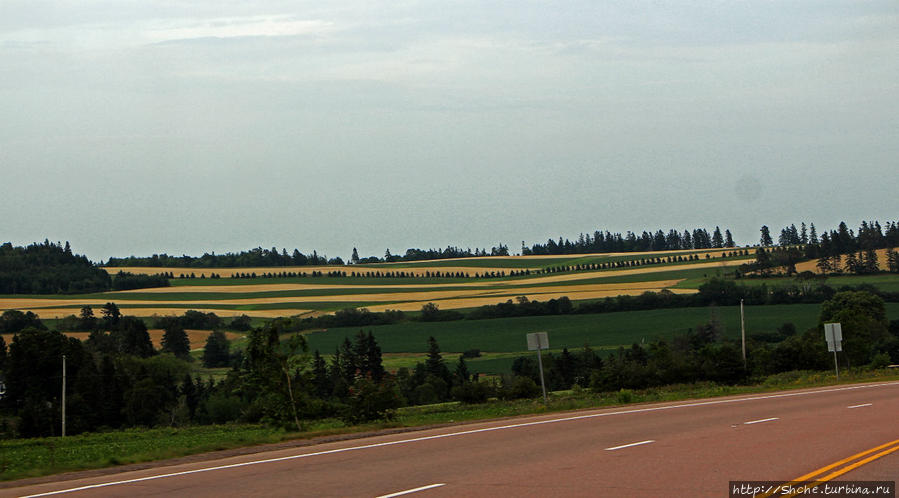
(406, 296)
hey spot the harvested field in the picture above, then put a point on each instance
(584, 275)
(42, 304)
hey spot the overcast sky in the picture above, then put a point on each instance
(136, 127)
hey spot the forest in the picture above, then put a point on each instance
(48, 268)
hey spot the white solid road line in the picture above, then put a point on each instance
(629, 445)
(415, 490)
(860, 406)
(760, 421)
(472, 431)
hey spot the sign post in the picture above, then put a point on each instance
(743, 333)
(833, 334)
(538, 341)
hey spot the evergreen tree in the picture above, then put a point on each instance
(461, 375)
(216, 353)
(813, 234)
(175, 340)
(434, 365)
(321, 381)
(729, 239)
(375, 362)
(765, 239)
(717, 239)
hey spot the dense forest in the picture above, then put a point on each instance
(48, 268)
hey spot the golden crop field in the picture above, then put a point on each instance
(307, 296)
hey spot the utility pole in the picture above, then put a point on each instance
(743, 332)
(63, 395)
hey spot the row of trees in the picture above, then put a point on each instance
(838, 251)
(631, 242)
(842, 240)
(244, 259)
(259, 257)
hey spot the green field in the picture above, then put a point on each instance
(600, 331)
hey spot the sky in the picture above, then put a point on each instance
(139, 127)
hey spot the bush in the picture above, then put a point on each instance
(519, 387)
(472, 392)
(370, 401)
(625, 396)
(880, 360)
(221, 408)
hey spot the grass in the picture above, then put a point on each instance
(572, 331)
(23, 458)
(886, 282)
(20, 458)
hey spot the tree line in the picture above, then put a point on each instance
(841, 250)
(604, 241)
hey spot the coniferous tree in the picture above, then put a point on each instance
(717, 239)
(765, 239)
(216, 353)
(175, 340)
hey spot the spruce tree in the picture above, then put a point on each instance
(175, 341)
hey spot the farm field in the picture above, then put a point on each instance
(499, 340)
(308, 296)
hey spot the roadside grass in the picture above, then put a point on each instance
(22, 458)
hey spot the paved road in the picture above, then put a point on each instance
(687, 448)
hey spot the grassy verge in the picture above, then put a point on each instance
(35, 457)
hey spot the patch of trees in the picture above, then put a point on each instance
(838, 251)
(604, 241)
(127, 281)
(48, 268)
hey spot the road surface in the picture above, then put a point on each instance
(691, 448)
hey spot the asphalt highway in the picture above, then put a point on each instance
(692, 448)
